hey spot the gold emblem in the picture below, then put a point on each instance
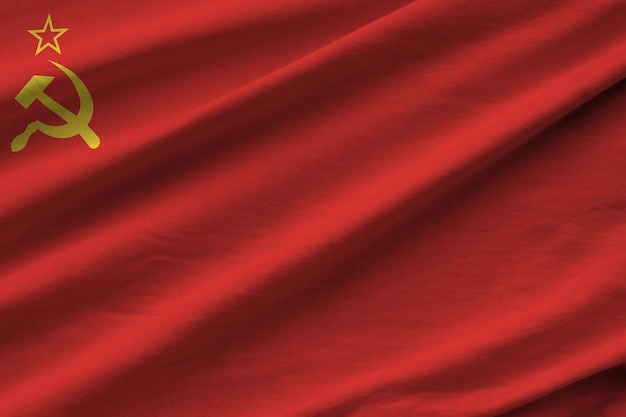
(34, 90)
(48, 27)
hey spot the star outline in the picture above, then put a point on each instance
(48, 25)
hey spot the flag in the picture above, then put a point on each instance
(313, 208)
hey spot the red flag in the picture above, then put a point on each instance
(313, 208)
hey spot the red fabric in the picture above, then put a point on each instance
(317, 208)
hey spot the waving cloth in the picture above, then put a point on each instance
(313, 208)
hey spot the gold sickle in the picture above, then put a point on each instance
(75, 124)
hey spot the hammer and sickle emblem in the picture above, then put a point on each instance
(75, 124)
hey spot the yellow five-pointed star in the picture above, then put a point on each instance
(48, 28)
